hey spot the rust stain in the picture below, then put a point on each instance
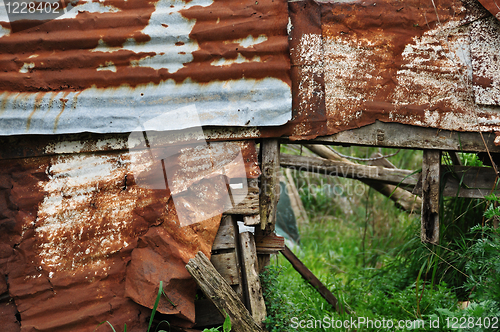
(91, 242)
(357, 62)
(63, 101)
(71, 64)
(6, 97)
(38, 103)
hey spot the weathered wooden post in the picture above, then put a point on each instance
(269, 191)
(431, 174)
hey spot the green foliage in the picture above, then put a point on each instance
(226, 327)
(477, 317)
(369, 254)
(483, 266)
(280, 310)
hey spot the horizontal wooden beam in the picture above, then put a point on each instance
(470, 182)
(353, 171)
(395, 135)
(459, 181)
(270, 244)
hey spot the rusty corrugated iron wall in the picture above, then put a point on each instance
(112, 66)
(86, 237)
(423, 63)
(87, 230)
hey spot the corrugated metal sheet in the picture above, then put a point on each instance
(429, 64)
(86, 237)
(113, 66)
(492, 6)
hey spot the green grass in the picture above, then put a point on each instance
(369, 254)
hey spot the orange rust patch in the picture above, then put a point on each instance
(66, 59)
(81, 235)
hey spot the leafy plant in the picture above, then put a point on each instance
(226, 327)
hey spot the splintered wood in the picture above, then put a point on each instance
(222, 295)
(251, 273)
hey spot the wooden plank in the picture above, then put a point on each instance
(222, 295)
(269, 183)
(395, 135)
(227, 266)
(270, 244)
(250, 203)
(350, 170)
(471, 177)
(431, 174)
(253, 288)
(467, 181)
(251, 220)
(226, 243)
(225, 238)
(315, 282)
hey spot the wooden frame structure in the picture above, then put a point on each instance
(431, 183)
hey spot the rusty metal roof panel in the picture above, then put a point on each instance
(113, 66)
(430, 64)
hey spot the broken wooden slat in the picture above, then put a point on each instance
(251, 220)
(269, 183)
(431, 174)
(222, 295)
(249, 204)
(350, 170)
(252, 281)
(270, 244)
(225, 238)
(315, 282)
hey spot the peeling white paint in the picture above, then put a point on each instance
(26, 67)
(82, 217)
(248, 41)
(239, 59)
(109, 65)
(163, 40)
